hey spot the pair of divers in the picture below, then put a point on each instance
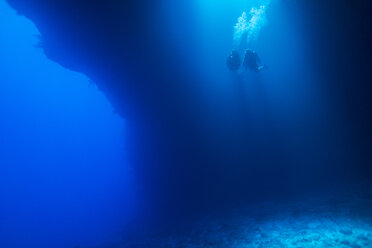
(251, 61)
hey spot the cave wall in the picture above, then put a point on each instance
(178, 159)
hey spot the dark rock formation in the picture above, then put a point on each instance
(179, 155)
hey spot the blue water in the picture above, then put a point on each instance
(287, 98)
(64, 177)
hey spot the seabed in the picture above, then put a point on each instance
(337, 223)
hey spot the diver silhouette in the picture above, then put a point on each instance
(252, 61)
(233, 61)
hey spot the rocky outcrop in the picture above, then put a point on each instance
(175, 141)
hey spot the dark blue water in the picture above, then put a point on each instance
(288, 107)
(64, 177)
(290, 131)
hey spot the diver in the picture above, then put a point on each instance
(233, 61)
(252, 61)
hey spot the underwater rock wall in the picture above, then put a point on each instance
(179, 162)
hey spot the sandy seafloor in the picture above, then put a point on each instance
(318, 222)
